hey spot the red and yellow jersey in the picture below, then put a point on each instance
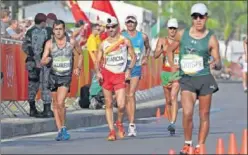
(166, 65)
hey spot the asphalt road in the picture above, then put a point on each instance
(228, 114)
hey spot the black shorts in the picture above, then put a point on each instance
(56, 81)
(201, 85)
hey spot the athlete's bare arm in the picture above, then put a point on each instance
(245, 49)
(131, 53)
(45, 57)
(77, 50)
(98, 61)
(173, 47)
(159, 48)
(215, 53)
(147, 45)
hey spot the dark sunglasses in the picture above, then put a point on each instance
(114, 26)
(172, 28)
(130, 22)
(196, 15)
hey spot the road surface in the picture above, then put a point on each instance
(228, 114)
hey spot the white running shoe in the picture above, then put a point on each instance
(132, 130)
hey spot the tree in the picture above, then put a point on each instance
(231, 15)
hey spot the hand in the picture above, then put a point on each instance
(45, 62)
(128, 74)
(212, 64)
(144, 60)
(174, 68)
(77, 71)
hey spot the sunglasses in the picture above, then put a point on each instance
(196, 15)
(114, 26)
(129, 21)
(172, 28)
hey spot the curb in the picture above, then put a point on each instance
(80, 118)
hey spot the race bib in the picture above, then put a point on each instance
(137, 52)
(61, 64)
(191, 64)
(115, 60)
(176, 59)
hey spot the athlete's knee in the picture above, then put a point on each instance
(204, 116)
(188, 115)
(131, 94)
(168, 101)
(108, 102)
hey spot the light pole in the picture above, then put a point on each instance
(158, 18)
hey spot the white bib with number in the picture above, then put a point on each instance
(176, 60)
(191, 64)
(61, 64)
(137, 52)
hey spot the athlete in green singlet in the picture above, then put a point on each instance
(197, 44)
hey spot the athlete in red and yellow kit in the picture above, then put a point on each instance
(114, 72)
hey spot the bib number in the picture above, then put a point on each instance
(137, 52)
(191, 64)
(61, 64)
(176, 60)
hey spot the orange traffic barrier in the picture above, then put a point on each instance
(171, 151)
(220, 146)
(232, 147)
(244, 143)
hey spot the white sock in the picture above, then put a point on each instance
(189, 142)
(197, 145)
(172, 122)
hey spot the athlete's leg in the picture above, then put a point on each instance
(109, 108)
(61, 96)
(131, 100)
(128, 106)
(56, 110)
(167, 94)
(204, 112)
(174, 93)
(245, 81)
(120, 98)
(188, 100)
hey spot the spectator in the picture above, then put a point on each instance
(12, 30)
(93, 41)
(80, 33)
(5, 19)
(51, 18)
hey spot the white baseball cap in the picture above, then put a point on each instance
(131, 17)
(199, 8)
(172, 23)
(111, 21)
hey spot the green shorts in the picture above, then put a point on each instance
(168, 77)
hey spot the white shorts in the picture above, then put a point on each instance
(244, 66)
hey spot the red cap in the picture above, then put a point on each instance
(52, 16)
